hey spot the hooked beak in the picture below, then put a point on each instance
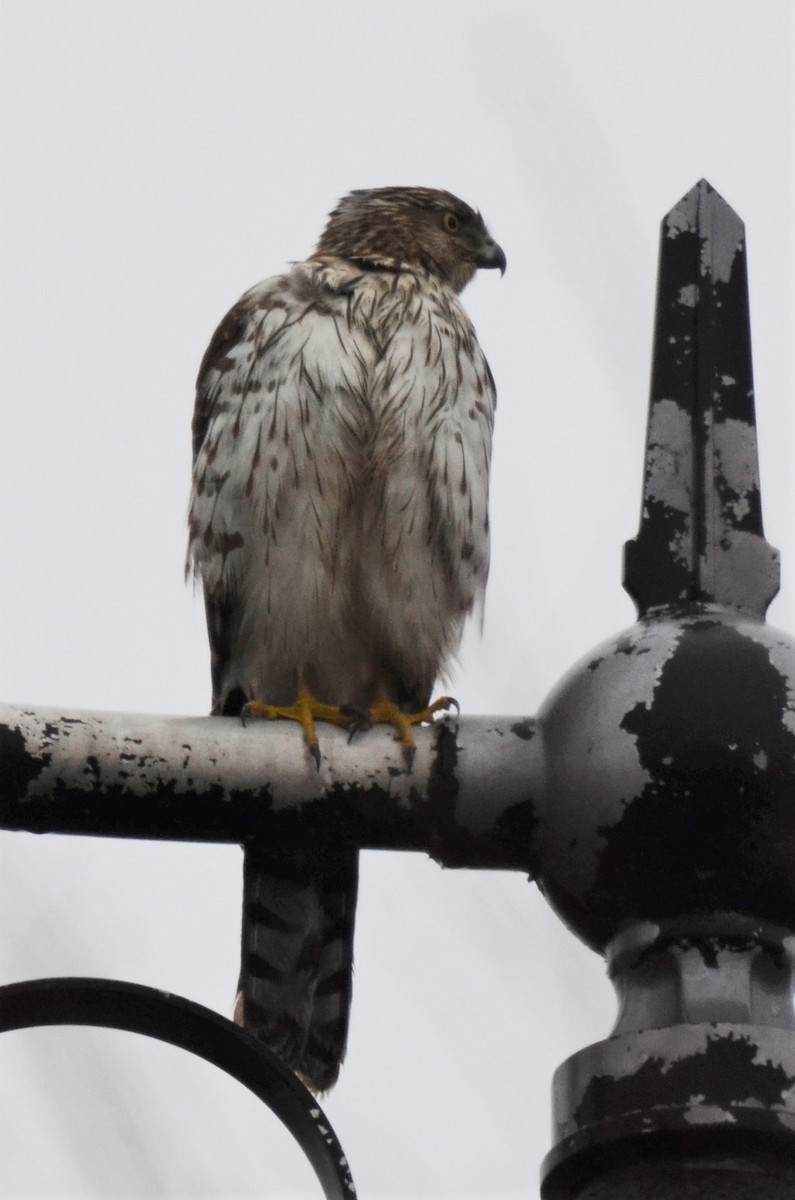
(492, 255)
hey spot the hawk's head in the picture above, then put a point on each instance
(413, 227)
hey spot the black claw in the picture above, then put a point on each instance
(314, 750)
(244, 712)
(453, 703)
(408, 758)
(359, 720)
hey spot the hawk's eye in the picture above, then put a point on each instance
(450, 222)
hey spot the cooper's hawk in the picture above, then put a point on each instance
(339, 525)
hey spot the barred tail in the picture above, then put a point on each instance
(297, 956)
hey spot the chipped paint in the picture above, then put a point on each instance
(667, 822)
(677, 1077)
(677, 733)
(468, 799)
(688, 295)
(721, 240)
(736, 458)
(701, 535)
(709, 782)
(669, 469)
(708, 1114)
(779, 648)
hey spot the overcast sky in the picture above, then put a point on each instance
(158, 158)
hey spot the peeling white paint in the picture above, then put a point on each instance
(624, 1055)
(736, 455)
(669, 460)
(780, 649)
(709, 1114)
(722, 238)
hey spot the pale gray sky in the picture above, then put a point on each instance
(159, 157)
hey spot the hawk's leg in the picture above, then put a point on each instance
(305, 710)
(385, 712)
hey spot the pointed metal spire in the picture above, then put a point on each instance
(701, 537)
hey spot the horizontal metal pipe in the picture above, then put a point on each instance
(468, 799)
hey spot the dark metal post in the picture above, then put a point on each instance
(667, 831)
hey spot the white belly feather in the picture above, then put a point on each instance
(339, 506)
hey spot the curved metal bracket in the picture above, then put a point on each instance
(113, 1004)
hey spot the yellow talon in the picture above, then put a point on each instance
(385, 712)
(305, 710)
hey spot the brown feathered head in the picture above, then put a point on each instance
(397, 227)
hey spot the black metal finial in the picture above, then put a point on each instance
(666, 823)
(701, 537)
